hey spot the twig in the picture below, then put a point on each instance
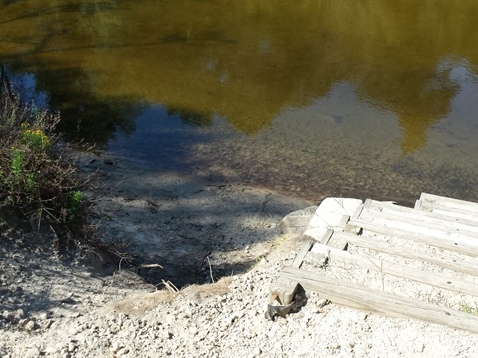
(266, 200)
(170, 286)
(210, 269)
(151, 266)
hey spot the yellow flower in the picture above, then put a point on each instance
(36, 138)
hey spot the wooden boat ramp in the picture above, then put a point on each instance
(419, 263)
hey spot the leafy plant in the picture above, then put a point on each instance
(37, 182)
(75, 202)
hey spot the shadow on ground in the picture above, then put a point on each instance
(197, 231)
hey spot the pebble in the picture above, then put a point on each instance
(228, 325)
(30, 325)
(32, 353)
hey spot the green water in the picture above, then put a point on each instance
(365, 98)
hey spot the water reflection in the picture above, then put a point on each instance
(103, 63)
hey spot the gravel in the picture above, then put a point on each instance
(84, 308)
(57, 310)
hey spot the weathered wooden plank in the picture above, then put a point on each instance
(362, 298)
(321, 260)
(418, 205)
(366, 203)
(444, 230)
(283, 290)
(301, 254)
(325, 239)
(421, 228)
(451, 213)
(432, 239)
(359, 210)
(447, 212)
(431, 199)
(397, 270)
(334, 241)
(421, 210)
(343, 221)
(467, 267)
(430, 219)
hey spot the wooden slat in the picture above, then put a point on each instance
(450, 243)
(430, 219)
(421, 228)
(427, 213)
(450, 212)
(299, 258)
(397, 270)
(283, 290)
(343, 221)
(325, 239)
(431, 199)
(418, 205)
(462, 266)
(358, 211)
(359, 297)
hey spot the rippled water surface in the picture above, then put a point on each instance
(371, 98)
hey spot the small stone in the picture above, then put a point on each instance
(115, 347)
(19, 314)
(123, 351)
(47, 324)
(419, 347)
(30, 325)
(33, 353)
(74, 331)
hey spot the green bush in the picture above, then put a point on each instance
(37, 181)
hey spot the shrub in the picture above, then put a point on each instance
(37, 182)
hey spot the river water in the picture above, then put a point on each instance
(365, 98)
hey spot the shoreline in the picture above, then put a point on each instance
(194, 229)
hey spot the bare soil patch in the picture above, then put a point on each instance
(197, 231)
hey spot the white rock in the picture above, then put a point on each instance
(328, 215)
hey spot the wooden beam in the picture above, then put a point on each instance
(426, 213)
(397, 270)
(283, 290)
(358, 210)
(299, 258)
(325, 239)
(442, 201)
(448, 243)
(450, 212)
(420, 226)
(462, 266)
(359, 297)
(420, 217)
